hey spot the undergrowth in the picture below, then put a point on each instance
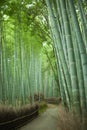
(8, 113)
(67, 120)
(42, 107)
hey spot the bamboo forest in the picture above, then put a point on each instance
(43, 64)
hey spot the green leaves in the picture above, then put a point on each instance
(23, 29)
(2, 2)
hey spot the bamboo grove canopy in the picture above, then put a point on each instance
(26, 55)
(68, 27)
(43, 50)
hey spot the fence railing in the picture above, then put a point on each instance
(53, 100)
(18, 122)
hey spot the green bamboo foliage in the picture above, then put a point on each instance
(0, 61)
(45, 84)
(83, 21)
(22, 73)
(62, 85)
(20, 63)
(71, 58)
(80, 75)
(59, 46)
(20, 58)
(81, 43)
(3, 65)
(67, 20)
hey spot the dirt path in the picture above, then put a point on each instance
(46, 121)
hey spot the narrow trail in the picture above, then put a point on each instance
(46, 121)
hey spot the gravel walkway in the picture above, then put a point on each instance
(46, 121)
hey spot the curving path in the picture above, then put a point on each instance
(46, 121)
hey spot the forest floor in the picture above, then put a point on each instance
(46, 120)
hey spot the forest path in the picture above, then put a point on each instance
(46, 121)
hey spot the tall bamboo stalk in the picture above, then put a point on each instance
(59, 47)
